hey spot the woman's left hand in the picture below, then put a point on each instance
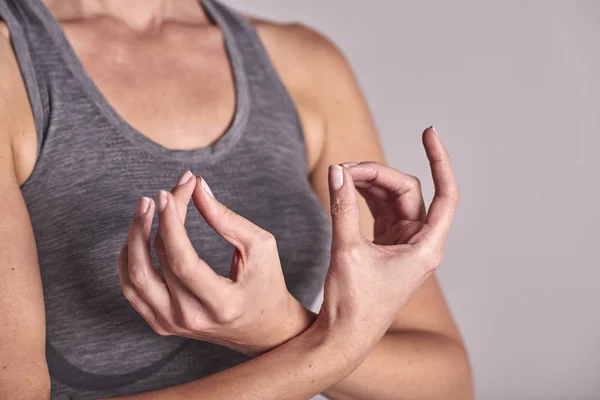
(251, 311)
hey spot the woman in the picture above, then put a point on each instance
(104, 103)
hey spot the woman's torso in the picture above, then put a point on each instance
(85, 162)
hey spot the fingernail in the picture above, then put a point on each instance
(350, 164)
(434, 131)
(142, 206)
(336, 176)
(185, 177)
(162, 200)
(207, 188)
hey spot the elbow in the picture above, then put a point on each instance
(454, 378)
(462, 387)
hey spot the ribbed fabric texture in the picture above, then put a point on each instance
(92, 168)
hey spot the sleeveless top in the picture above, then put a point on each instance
(91, 169)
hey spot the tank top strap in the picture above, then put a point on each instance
(34, 52)
(49, 63)
(269, 97)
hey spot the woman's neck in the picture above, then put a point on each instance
(140, 15)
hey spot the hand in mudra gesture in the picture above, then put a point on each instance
(369, 282)
(250, 311)
(366, 286)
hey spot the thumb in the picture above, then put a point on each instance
(344, 206)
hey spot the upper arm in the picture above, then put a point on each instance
(23, 368)
(349, 134)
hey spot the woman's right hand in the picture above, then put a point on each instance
(369, 282)
(251, 311)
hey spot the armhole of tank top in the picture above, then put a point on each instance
(30, 80)
(277, 81)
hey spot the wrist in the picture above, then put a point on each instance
(313, 361)
(299, 319)
(293, 320)
(353, 338)
(342, 344)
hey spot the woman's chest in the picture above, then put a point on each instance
(180, 98)
(81, 226)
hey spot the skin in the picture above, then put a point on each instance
(412, 348)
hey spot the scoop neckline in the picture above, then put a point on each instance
(220, 146)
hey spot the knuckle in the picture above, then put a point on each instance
(415, 182)
(159, 330)
(137, 275)
(226, 211)
(263, 241)
(228, 312)
(190, 321)
(180, 268)
(454, 193)
(129, 293)
(340, 207)
(370, 169)
(349, 254)
(266, 239)
(370, 164)
(431, 257)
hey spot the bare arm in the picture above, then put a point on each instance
(23, 369)
(367, 284)
(422, 356)
(298, 369)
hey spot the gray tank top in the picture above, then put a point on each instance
(91, 169)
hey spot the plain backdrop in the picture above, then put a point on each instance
(513, 88)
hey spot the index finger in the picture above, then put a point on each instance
(382, 183)
(446, 197)
(181, 257)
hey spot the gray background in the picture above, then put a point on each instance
(513, 88)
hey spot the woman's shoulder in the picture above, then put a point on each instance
(313, 69)
(309, 53)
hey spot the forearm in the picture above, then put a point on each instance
(407, 366)
(298, 369)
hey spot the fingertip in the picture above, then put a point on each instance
(427, 133)
(162, 199)
(336, 177)
(184, 187)
(432, 142)
(348, 177)
(432, 128)
(151, 205)
(142, 207)
(184, 178)
(206, 188)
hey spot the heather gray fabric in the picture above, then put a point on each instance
(92, 167)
